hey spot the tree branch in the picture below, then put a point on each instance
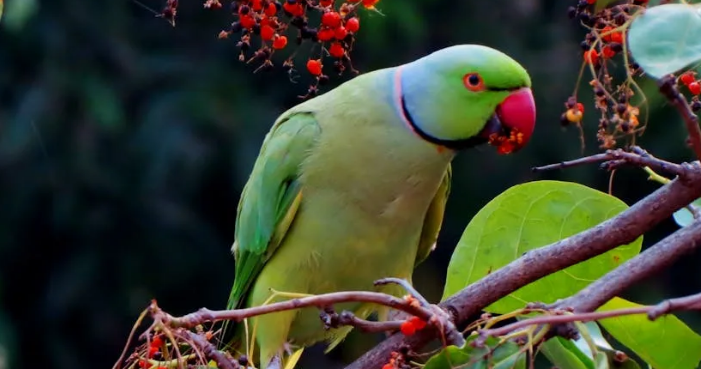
(558, 316)
(320, 301)
(639, 158)
(668, 88)
(209, 351)
(647, 263)
(621, 229)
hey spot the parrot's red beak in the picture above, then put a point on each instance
(511, 126)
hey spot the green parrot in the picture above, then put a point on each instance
(351, 186)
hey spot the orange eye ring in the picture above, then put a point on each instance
(473, 82)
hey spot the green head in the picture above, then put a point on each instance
(466, 95)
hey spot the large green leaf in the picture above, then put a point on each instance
(577, 354)
(665, 343)
(528, 216)
(563, 353)
(683, 216)
(665, 38)
(493, 355)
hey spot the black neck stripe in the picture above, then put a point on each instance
(461, 144)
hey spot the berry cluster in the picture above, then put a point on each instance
(605, 41)
(692, 84)
(160, 354)
(505, 144)
(397, 361)
(411, 325)
(152, 352)
(329, 26)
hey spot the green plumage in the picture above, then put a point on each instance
(342, 194)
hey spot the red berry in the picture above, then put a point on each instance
(326, 3)
(157, 342)
(580, 107)
(370, 3)
(336, 50)
(325, 34)
(314, 67)
(280, 42)
(418, 323)
(591, 2)
(607, 53)
(144, 364)
(267, 32)
(331, 19)
(617, 37)
(271, 10)
(295, 9)
(353, 25)
(687, 77)
(257, 5)
(591, 56)
(340, 33)
(407, 328)
(152, 351)
(388, 366)
(247, 21)
(694, 87)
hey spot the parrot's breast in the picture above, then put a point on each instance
(366, 187)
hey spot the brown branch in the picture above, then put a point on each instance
(408, 287)
(668, 88)
(653, 312)
(621, 229)
(692, 302)
(332, 319)
(205, 315)
(614, 158)
(647, 263)
(434, 316)
(211, 352)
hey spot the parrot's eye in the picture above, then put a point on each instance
(473, 82)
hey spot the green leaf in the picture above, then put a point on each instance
(594, 332)
(493, 355)
(576, 354)
(665, 38)
(528, 216)
(565, 354)
(602, 361)
(665, 343)
(683, 216)
(1, 5)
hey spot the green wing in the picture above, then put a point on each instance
(270, 199)
(434, 218)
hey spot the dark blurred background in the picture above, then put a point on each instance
(125, 142)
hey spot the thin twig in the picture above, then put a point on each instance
(211, 352)
(668, 88)
(408, 287)
(205, 315)
(332, 319)
(692, 302)
(614, 158)
(558, 316)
